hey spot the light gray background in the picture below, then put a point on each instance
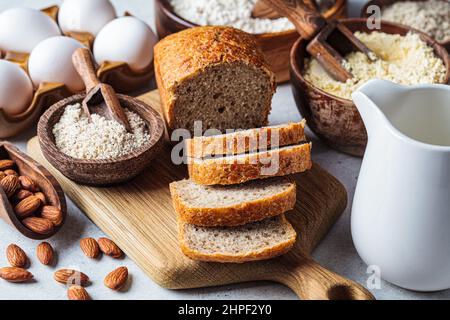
(336, 252)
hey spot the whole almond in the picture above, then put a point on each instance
(77, 293)
(41, 196)
(10, 184)
(90, 247)
(16, 256)
(44, 252)
(14, 274)
(11, 172)
(27, 207)
(2, 175)
(38, 225)
(6, 164)
(70, 276)
(21, 194)
(28, 184)
(116, 279)
(109, 248)
(53, 214)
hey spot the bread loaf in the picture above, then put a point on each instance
(232, 205)
(216, 75)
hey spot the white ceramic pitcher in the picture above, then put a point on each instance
(401, 209)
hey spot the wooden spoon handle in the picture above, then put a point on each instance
(262, 11)
(82, 61)
(311, 281)
(307, 22)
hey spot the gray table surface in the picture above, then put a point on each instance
(336, 251)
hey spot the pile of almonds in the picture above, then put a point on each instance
(74, 279)
(28, 202)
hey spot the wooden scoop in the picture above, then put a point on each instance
(329, 41)
(100, 97)
(263, 11)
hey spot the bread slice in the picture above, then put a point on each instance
(255, 241)
(245, 141)
(245, 167)
(216, 75)
(232, 205)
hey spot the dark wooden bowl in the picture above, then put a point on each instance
(385, 3)
(275, 46)
(336, 120)
(44, 179)
(101, 172)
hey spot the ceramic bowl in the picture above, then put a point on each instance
(275, 46)
(336, 120)
(385, 3)
(101, 172)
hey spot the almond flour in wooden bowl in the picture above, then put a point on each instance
(432, 16)
(429, 16)
(63, 129)
(405, 59)
(78, 137)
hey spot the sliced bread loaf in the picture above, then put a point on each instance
(255, 241)
(245, 141)
(232, 205)
(245, 167)
(216, 75)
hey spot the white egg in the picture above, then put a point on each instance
(51, 61)
(16, 90)
(85, 15)
(21, 29)
(126, 39)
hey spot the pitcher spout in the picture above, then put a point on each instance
(373, 98)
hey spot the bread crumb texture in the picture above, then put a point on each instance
(432, 16)
(99, 138)
(243, 240)
(196, 195)
(405, 60)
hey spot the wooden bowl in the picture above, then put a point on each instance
(117, 74)
(336, 120)
(275, 46)
(46, 182)
(385, 3)
(101, 172)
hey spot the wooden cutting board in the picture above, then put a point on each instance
(140, 218)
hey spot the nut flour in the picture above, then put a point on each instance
(431, 17)
(235, 13)
(405, 60)
(100, 138)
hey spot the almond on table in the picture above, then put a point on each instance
(16, 256)
(76, 292)
(117, 278)
(90, 247)
(14, 274)
(109, 248)
(45, 253)
(70, 276)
